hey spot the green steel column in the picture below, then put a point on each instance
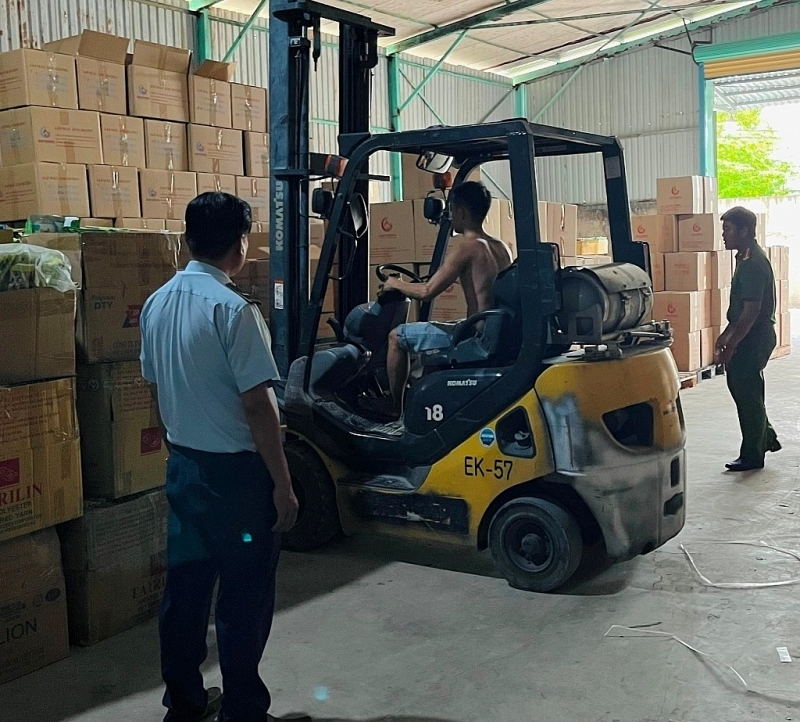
(393, 69)
(243, 32)
(203, 35)
(521, 100)
(708, 125)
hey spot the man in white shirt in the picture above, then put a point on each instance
(206, 353)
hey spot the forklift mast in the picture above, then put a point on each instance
(291, 163)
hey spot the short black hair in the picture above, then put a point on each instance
(215, 223)
(742, 218)
(473, 196)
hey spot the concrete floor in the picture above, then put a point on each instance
(368, 630)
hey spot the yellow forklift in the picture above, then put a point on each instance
(552, 422)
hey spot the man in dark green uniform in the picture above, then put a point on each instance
(746, 344)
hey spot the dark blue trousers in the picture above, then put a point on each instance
(220, 529)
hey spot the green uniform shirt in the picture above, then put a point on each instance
(753, 281)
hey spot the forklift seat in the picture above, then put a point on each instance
(500, 339)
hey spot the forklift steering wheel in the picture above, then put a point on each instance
(379, 271)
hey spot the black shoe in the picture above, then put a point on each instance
(745, 465)
(213, 702)
(775, 446)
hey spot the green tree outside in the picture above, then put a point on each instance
(746, 166)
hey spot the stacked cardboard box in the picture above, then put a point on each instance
(779, 258)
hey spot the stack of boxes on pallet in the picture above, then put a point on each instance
(691, 269)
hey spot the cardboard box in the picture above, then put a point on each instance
(215, 150)
(51, 135)
(210, 94)
(36, 77)
(417, 184)
(69, 244)
(141, 224)
(175, 225)
(100, 64)
(256, 154)
(657, 269)
(680, 196)
(40, 462)
(685, 310)
(256, 192)
(707, 341)
(115, 563)
(121, 445)
(96, 222)
(687, 271)
(34, 604)
(710, 195)
(157, 82)
(392, 238)
(250, 111)
(686, 350)
(165, 194)
(761, 229)
(123, 140)
(593, 246)
(720, 300)
(721, 274)
(254, 280)
(508, 228)
(114, 191)
(425, 234)
(784, 297)
(660, 231)
(41, 322)
(785, 332)
(214, 182)
(166, 146)
(701, 232)
(541, 215)
(120, 272)
(48, 188)
(562, 227)
(784, 263)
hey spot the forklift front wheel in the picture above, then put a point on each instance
(318, 516)
(535, 543)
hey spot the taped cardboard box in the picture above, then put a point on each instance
(256, 154)
(416, 183)
(508, 229)
(114, 191)
(700, 232)
(121, 446)
(123, 140)
(392, 233)
(165, 194)
(120, 272)
(100, 63)
(210, 94)
(686, 350)
(784, 297)
(720, 301)
(425, 234)
(721, 275)
(687, 271)
(250, 111)
(34, 604)
(256, 192)
(58, 189)
(657, 271)
(157, 82)
(166, 145)
(37, 77)
(679, 196)
(51, 135)
(707, 342)
(215, 182)
(785, 329)
(40, 461)
(685, 310)
(41, 322)
(115, 564)
(562, 227)
(215, 150)
(175, 225)
(141, 224)
(659, 231)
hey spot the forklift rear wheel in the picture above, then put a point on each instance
(535, 543)
(318, 516)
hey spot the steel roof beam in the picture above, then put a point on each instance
(198, 5)
(487, 16)
(641, 42)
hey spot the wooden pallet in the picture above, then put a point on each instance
(781, 351)
(692, 378)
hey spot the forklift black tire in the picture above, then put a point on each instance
(535, 543)
(318, 516)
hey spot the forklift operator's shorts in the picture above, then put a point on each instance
(417, 338)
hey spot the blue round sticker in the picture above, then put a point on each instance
(487, 437)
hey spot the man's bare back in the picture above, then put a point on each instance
(481, 259)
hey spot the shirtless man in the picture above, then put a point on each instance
(475, 263)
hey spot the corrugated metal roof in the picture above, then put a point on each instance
(757, 91)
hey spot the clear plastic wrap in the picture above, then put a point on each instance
(24, 266)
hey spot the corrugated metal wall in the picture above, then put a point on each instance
(649, 99)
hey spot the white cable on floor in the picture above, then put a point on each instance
(743, 585)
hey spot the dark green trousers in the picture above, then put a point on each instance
(745, 375)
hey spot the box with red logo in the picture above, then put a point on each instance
(120, 271)
(685, 310)
(34, 604)
(40, 462)
(121, 446)
(391, 233)
(659, 231)
(115, 564)
(680, 196)
(700, 232)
